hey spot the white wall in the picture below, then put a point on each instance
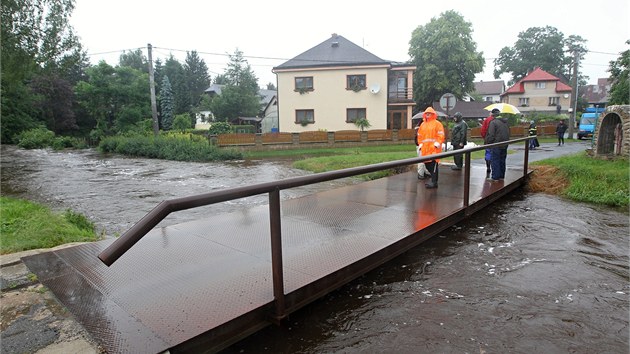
(330, 99)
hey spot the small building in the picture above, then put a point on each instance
(596, 95)
(490, 91)
(539, 91)
(611, 137)
(267, 118)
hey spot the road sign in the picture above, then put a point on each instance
(447, 101)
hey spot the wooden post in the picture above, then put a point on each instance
(156, 124)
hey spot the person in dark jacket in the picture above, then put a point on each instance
(533, 130)
(459, 135)
(484, 129)
(498, 131)
(560, 129)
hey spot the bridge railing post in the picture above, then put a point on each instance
(467, 179)
(276, 254)
(526, 158)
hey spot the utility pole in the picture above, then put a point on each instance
(156, 124)
(573, 117)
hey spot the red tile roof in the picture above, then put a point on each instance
(538, 75)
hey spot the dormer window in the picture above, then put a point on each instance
(540, 85)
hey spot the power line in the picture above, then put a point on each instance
(593, 51)
(115, 51)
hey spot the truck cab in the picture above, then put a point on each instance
(588, 122)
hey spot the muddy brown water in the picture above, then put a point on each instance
(530, 273)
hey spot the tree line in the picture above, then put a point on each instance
(48, 81)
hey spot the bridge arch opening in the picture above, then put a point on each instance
(610, 135)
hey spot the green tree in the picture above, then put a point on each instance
(116, 99)
(55, 103)
(37, 40)
(177, 78)
(543, 47)
(240, 97)
(166, 104)
(197, 77)
(134, 59)
(619, 72)
(446, 58)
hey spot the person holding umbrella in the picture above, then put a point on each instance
(430, 139)
(498, 131)
(484, 130)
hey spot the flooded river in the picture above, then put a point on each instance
(531, 273)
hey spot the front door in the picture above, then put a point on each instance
(397, 120)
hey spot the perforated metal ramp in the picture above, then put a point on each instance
(205, 284)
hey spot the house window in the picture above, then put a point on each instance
(540, 85)
(354, 114)
(355, 82)
(304, 116)
(553, 101)
(523, 102)
(304, 83)
(488, 99)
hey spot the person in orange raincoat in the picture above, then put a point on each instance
(430, 139)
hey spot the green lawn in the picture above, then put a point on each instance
(26, 225)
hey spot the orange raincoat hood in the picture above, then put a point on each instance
(429, 114)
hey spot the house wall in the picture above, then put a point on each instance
(330, 99)
(539, 98)
(270, 120)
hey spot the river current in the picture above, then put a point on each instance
(531, 273)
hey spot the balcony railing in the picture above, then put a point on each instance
(401, 94)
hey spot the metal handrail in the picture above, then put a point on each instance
(122, 244)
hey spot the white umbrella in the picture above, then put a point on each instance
(503, 107)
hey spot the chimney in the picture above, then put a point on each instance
(335, 43)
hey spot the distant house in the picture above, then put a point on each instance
(473, 110)
(539, 91)
(490, 91)
(597, 95)
(331, 85)
(267, 116)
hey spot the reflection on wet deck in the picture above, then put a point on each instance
(208, 283)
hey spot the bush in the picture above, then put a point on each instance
(64, 142)
(170, 146)
(181, 122)
(37, 138)
(220, 128)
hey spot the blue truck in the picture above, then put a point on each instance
(588, 122)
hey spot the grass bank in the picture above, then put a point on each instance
(330, 159)
(26, 225)
(583, 178)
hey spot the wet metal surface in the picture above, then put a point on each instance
(212, 276)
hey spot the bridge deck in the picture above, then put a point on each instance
(208, 283)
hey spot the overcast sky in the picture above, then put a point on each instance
(271, 32)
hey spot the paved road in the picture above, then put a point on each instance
(545, 151)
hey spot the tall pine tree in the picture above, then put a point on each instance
(166, 104)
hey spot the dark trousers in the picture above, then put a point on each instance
(432, 167)
(459, 158)
(560, 138)
(497, 161)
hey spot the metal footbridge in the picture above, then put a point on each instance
(201, 286)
